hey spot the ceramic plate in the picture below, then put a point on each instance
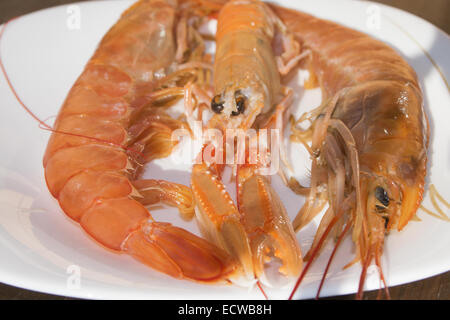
(42, 250)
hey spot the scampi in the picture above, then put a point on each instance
(369, 138)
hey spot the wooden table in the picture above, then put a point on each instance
(435, 11)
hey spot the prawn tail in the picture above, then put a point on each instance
(178, 253)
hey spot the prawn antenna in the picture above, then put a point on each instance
(262, 290)
(42, 124)
(314, 252)
(338, 243)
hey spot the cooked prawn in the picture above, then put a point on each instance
(248, 94)
(112, 122)
(369, 138)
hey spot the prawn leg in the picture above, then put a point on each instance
(220, 220)
(272, 239)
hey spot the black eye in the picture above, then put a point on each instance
(217, 104)
(382, 196)
(240, 103)
(386, 222)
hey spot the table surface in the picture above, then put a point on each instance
(435, 11)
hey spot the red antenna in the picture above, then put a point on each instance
(314, 252)
(262, 290)
(338, 242)
(42, 124)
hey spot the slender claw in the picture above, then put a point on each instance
(272, 238)
(219, 219)
(178, 253)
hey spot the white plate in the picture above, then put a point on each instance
(42, 250)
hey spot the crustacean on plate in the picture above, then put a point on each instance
(368, 140)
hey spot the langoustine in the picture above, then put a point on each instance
(248, 94)
(108, 127)
(369, 138)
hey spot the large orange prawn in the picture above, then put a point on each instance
(369, 139)
(112, 122)
(248, 94)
